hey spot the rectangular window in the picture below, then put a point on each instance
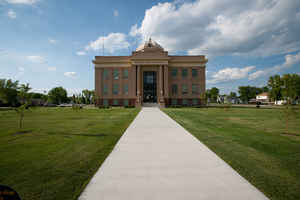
(125, 102)
(116, 89)
(194, 72)
(105, 74)
(194, 89)
(174, 102)
(105, 102)
(125, 74)
(184, 73)
(105, 90)
(125, 89)
(116, 74)
(184, 89)
(195, 101)
(174, 89)
(116, 102)
(174, 72)
(184, 102)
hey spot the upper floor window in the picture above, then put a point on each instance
(105, 89)
(116, 74)
(116, 89)
(194, 72)
(174, 72)
(184, 89)
(184, 73)
(125, 74)
(195, 89)
(174, 89)
(125, 89)
(105, 74)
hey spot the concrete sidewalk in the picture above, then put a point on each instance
(157, 159)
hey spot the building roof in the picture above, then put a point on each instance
(263, 94)
(150, 45)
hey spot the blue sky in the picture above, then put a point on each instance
(50, 43)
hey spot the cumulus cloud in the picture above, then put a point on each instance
(51, 68)
(116, 13)
(12, 14)
(111, 43)
(70, 74)
(21, 69)
(52, 41)
(36, 59)
(81, 53)
(28, 2)
(230, 74)
(290, 60)
(229, 27)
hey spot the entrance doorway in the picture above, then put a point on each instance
(149, 80)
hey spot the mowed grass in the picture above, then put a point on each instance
(59, 149)
(251, 141)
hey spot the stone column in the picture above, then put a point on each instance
(166, 81)
(138, 99)
(161, 92)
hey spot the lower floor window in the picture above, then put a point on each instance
(105, 102)
(116, 102)
(195, 101)
(174, 102)
(125, 102)
(185, 102)
(116, 89)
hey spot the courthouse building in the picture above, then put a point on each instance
(149, 75)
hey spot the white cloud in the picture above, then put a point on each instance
(229, 27)
(116, 13)
(52, 69)
(52, 41)
(111, 43)
(36, 59)
(12, 14)
(134, 31)
(21, 69)
(28, 2)
(229, 74)
(290, 60)
(81, 53)
(70, 74)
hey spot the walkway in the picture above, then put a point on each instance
(157, 159)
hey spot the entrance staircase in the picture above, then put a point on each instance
(150, 105)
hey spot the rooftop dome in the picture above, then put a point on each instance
(149, 45)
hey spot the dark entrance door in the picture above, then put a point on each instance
(149, 87)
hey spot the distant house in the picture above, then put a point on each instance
(263, 97)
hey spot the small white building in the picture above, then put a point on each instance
(263, 97)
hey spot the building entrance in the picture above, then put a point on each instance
(149, 90)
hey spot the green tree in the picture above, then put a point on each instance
(248, 92)
(23, 93)
(232, 95)
(9, 91)
(58, 95)
(275, 84)
(212, 94)
(25, 101)
(291, 86)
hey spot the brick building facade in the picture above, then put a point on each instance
(149, 75)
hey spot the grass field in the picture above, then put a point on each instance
(59, 149)
(251, 141)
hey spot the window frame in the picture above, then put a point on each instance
(184, 86)
(115, 89)
(125, 75)
(194, 75)
(116, 74)
(184, 75)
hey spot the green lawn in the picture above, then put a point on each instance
(59, 149)
(251, 141)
